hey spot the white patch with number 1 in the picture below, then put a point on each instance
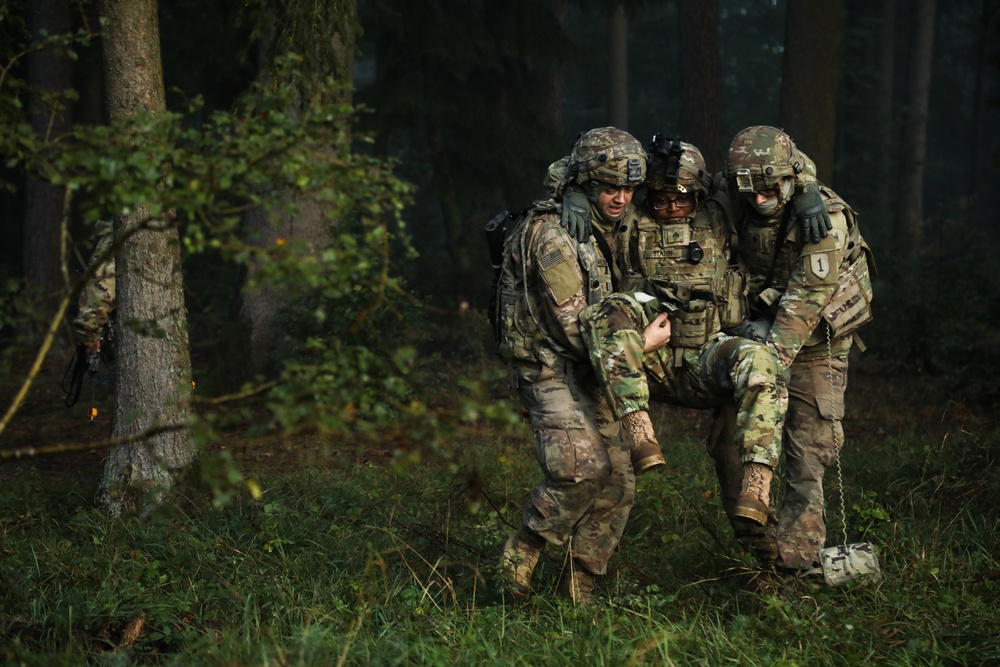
(819, 262)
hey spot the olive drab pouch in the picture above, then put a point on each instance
(732, 300)
(850, 306)
(689, 327)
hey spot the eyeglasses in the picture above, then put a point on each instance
(679, 202)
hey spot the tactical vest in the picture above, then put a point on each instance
(768, 276)
(522, 335)
(691, 259)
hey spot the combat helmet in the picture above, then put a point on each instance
(760, 157)
(608, 155)
(676, 166)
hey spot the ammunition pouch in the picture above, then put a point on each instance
(732, 302)
(691, 326)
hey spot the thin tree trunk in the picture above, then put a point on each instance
(700, 119)
(979, 104)
(454, 222)
(618, 66)
(809, 79)
(551, 82)
(885, 174)
(153, 368)
(49, 72)
(915, 137)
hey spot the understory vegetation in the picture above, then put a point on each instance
(318, 552)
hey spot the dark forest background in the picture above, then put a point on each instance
(896, 100)
(309, 298)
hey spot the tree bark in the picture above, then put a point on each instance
(153, 368)
(700, 82)
(885, 174)
(310, 222)
(979, 105)
(550, 83)
(618, 66)
(808, 106)
(48, 72)
(918, 96)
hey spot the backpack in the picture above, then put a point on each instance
(498, 230)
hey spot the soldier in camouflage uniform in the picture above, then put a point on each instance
(679, 260)
(809, 290)
(97, 298)
(548, 277)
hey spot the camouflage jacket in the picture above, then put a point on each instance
(97, 298)
(806, 283)
(547, 279)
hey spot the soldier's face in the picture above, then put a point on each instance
(670, 206)
(612, 201)
(768, 200)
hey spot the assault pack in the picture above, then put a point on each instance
(498, 230)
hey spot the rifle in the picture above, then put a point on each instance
(93, 365)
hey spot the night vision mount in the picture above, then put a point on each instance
(669, 151)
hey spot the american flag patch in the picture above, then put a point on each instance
(551, 259)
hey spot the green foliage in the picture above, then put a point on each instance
(333, 560)
(871, 519)
(339, 374)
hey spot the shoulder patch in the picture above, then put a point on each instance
(562, 277)
(819, 264)
(550, 259)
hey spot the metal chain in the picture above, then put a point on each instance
(836, 435)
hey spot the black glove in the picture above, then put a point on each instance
(810, 212)
(576, 214)
(755, 330)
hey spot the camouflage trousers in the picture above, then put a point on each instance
(812, 437)
(588, 487)
(724, 370)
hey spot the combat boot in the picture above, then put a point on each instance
(755, 498)
(517, 563)
(645, 451)
(577, 584)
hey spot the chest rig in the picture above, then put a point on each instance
(771, 261)
(690, 259)
(758, 245)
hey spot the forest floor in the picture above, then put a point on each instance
(881, 400)
(395, 564)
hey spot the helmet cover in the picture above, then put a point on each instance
(608, 155)
(761, 156)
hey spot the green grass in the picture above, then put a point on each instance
(340, 562)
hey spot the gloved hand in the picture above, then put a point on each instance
(576, 214)
(755, 330)
(810, 213)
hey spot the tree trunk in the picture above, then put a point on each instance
(49, 72)
(918, 96)
(618, 66)
(550, 83)
(979, 106)
(700, 119)
(885, 174)
(808, 107)
(310, 222)
(456, 232)
(153, 368)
